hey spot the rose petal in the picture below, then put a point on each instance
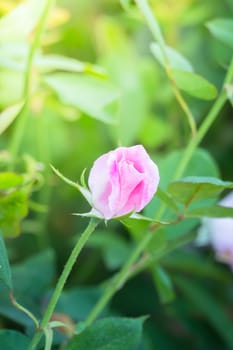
(122, 181)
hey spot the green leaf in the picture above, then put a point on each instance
(222, 29)
(144, 219)
(207, 304)
(163, 284)
(196, 188)
(9, 115)
(194, 85)
(14, 55)
(109, 334)
(165, 164)
(10, 339)
(176, 60)
(138, 225)
(13, 202)
(57, 62)
(13, 208)
(5, 270)
(9, 180)
(167, 198)
(93, 96)
(20, 22)
(216, 211)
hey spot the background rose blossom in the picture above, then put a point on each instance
(220, 233)
(122, 181)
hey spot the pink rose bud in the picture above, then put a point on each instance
(221, 233)
(122, 181)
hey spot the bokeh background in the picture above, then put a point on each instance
(195, 308)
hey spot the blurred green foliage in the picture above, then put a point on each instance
(95, 84)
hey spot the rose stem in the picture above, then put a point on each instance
(62, 280)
